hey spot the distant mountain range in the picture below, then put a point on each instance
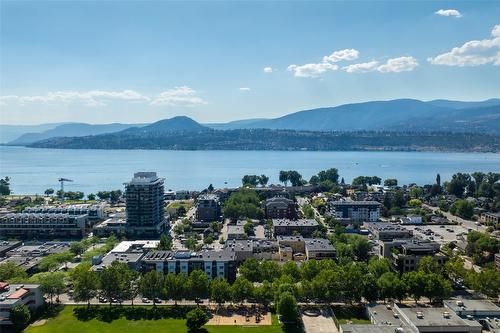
(72, 129)
(395, 115)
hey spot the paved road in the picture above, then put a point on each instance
(466, 223)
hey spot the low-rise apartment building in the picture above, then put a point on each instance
(260, 249)
(208, 208)
(280, 208)
(12, 295)
(303, 227)
(42, 225)
(356, 210)
(405, 254)
(93, 212)
(386, 231)
(490, 218)
(213, 263)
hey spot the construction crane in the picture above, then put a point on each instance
(62, 180)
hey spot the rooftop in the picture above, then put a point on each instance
(144, 178)
(477, 305)
(137, 245)
(295, 223)
(355, 203)
(435, 317)
(318, 244)
(10, 293)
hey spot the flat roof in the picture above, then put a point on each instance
(471, 305)
(126, 245)
(355, 203)
(295, 223)
(318, 244)
(435, 317)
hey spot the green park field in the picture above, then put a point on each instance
(68, 321)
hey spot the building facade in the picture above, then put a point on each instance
(214, 263)
(42, 226)
(208, 208)
(12, 295)
(145, 205)
(356, 210)
(280, 208)
(303, 227)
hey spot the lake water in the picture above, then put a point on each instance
(34, 170)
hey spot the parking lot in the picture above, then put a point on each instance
(440, 233)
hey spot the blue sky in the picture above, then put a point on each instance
(133, 61)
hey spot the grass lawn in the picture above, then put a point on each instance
(67, 322)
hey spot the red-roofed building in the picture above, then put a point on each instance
(18, 294)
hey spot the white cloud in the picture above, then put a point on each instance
(472, 53)
(88, 98)
(244, 89)
(268, 69)
(327, 64)
(347, 55)
(449, 12)
(312, 70)
(179, 96)
(396, 65)
(364, 67)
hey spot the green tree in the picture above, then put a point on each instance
(49, 191)
(331, 175)
(197, 285)
(458, 183)
(428, 265)
(263, 180)
(290, 268)
(175, 286)
(195, 319)
(250, 180)
(415, 283)
(91, 196)
(390, 286)
(263, 293)
(151, 285)
(248, 228)
(220, 291)
(284, 177)
(250, 270)
(85, 283)
(487, 282)
(20, 316)
(436, 287)
(77, 248)
(378, 266)
(391, 182)
(462, 208)
(269, 270)
(52, 285)
(287, 307)
(5, 186)
(165, 243)
(241, 290)
(243, 204)
(10, 271)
